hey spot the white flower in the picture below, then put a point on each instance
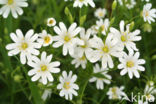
(93, 30)
(42, 68)
(67, 85)
(129, 3)
(150, 88)
(141, 102)
(116, 93)
(45, 39)
(100, 81)
(79, 61)
(13, 6)
(80, 3)
(67, 38)
(102, 26)
(125, 37)
(51, 22)
(148, 13)
(100, 13)
(145, 0)
(46, 94)
(104, 50)
(25, 45)
(131, 64)
(86, 47)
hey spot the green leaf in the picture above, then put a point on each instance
(34, 90)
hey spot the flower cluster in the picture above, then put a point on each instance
(112, 46)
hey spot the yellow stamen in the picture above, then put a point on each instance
(103, 27)
(46, 39)
(67, 38)
(24, 46)
(83, 58)
(10, 2)
(66, 85)
(81, 0)
(51, 21)
(130, 64)
(43, 67)
(100, 14)
(123, 38)
(146, 14)
(114, 90)
(105, 49)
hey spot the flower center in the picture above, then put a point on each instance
(114, 90)
(102, 27)
(43, 67)
(100, 14)
(146, 14)
(66, 85)
(148, 96)
(51, 22)
(81, 0)
(24, 46)
(47, 39)
(67, 38)
(83, 58)
(130, 64)
(10, 2)
(105, 49)
(85, 45)
(123, 38)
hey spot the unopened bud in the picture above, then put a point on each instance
(114, 5)
(17, 78)
(131, 26)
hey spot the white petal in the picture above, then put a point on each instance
(23, 58)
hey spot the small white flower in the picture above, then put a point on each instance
(116, 93)
(148, 13)
(67, 85)
(13, 6)
(67, 38)
(104, 50)
(45, 39)
(125, 37)
(46, 94)
(100, 13)
(131, 64)
(42, 68)
(86, 47)
(141, 102)
(145, 0)
(129, 3)
(51, 22)
(80, 3)
(102, 26)
(93, 30)
(100, 81)
(25, 45)
(79, 61)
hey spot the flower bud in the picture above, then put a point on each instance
(131, 26)
(17, 78)
(69, 15)
(112, 20)
(114, 5)
(147, 27)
